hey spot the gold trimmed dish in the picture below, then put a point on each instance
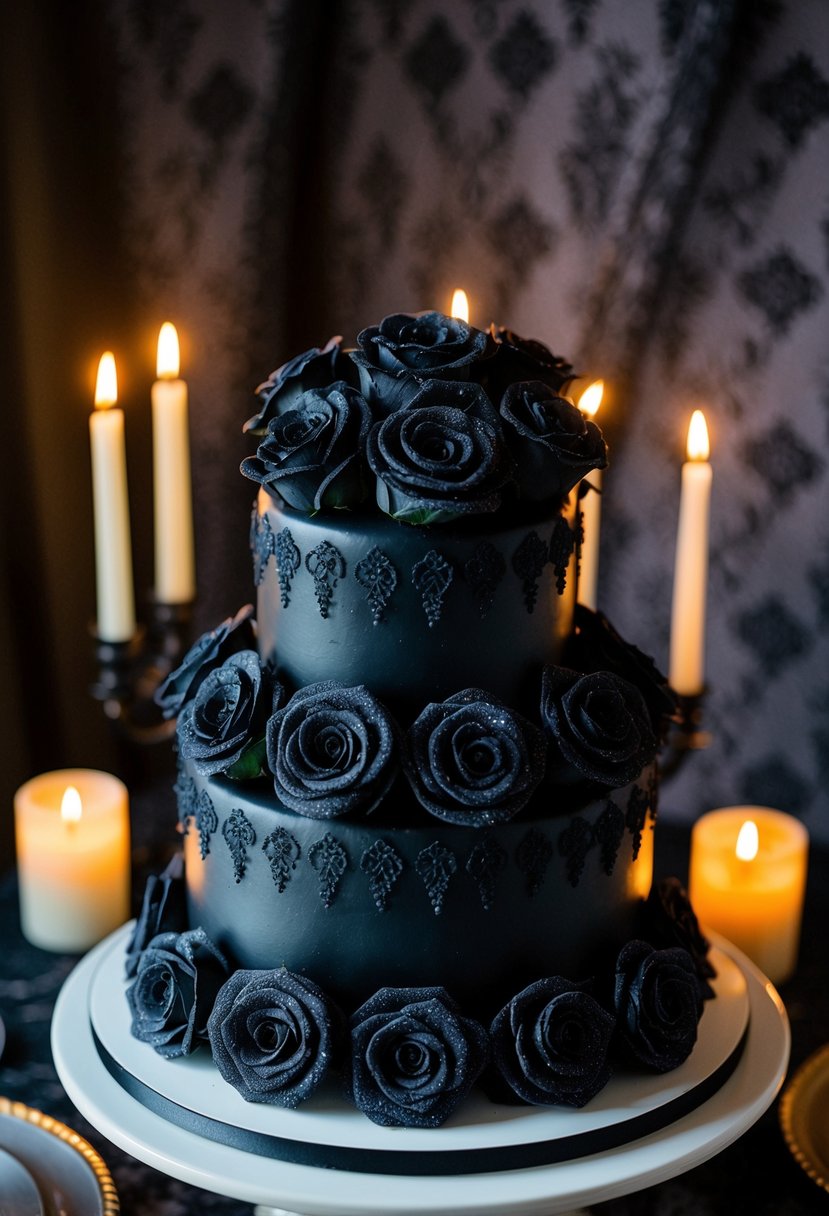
(61, 1162)
(804, 1116)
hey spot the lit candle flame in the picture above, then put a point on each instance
(460, 305)
(748, 841)
(106, 383)
(168, 360)
(70, 806)
(698, 445)
(591, 398)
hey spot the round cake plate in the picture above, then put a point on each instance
(324, 1192)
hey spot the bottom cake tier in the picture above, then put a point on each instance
(480, 1136)
(357, 907)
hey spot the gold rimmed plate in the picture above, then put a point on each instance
(804, 1116)
(70, 1175)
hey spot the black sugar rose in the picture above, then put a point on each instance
(174, 990)
(227, 716)
(594, 645)
(273, 1035)
(405, 349)
(551, 1043)
(522, 359)
(208, 652)
(671, 921)
(312, 454)
(332, 750)
(462, 395)
(435, 464)
(552, 442)
(163, 910)
(471, 760)
(598, 726)
(658, 1004)
(315, 368)
(413, 1057)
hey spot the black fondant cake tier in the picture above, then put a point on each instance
(416, 614)
(360, 906)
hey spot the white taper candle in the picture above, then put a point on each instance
(175, 576)
(687, 662)
(113, 547)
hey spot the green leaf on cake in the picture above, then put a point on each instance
(251, 763)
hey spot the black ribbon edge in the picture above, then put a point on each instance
(427, 1163)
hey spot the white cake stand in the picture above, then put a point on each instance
(282, 1187)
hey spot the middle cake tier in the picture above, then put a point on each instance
(359, 906)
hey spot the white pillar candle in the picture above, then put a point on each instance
(73, 858)
(748, 884)
(591, 510)
(175, 577)
(687, 661)
(113, 549)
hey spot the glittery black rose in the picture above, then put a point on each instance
(312, 454)
(471, 760)
(163, 910)
(210, 651)
(227, 717)
(551, 1043)
(434, 464)
(658, 1004)
(413, 1057)
(405, 349)
(315, 368)
(332, 750)
(273, 1036)
(552, 442)
(174, 990)
(463, 395)
(598, 726)
(518, 359)
(671, 921)
(594, 645)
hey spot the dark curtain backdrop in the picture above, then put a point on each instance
(641, 185)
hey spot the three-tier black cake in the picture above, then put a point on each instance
(418, 792)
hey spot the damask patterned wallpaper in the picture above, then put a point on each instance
(641, 185)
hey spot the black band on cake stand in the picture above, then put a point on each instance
(130, 672)
(435, 1164)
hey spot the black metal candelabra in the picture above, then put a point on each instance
(130, 672)
(685, 736)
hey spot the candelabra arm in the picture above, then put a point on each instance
(130, 672)
(685, 736)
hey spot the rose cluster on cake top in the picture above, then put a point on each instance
(434, 419)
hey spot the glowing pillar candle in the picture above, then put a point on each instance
(747, 880)
(687, 661)
(591, 510)
(73, 858)
(175, 577)
(460, 305)
(113, 548)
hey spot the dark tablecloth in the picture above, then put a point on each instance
(755, 1175)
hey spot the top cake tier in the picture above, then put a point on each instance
(418, 500)
(414, 613)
